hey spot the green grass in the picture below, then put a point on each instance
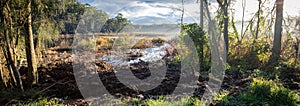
(27, 98)
(41, 102)
(261, 93)
(161, 101)
(181, 102)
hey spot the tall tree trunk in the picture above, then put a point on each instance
(224, 6)
(11, 52)
(8, 53)
(9, 47)
(2, 80)
(257, 26)
(218, 62)
(30, 53)
(243, 21)
(201, 13)
(258, 20)
(276, 50)
(226, 26)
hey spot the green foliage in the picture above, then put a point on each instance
(42, 102)
(115, 25)
(48, 34)
(197, 35)
(262, 92)
(222, 98)
(64, 14)
(134, 102)
(200, 41)
(163, 102)
(174, 60)
(92, 21)
(260, 73)
(181, 102)
(28, 94)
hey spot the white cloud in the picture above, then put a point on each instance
(169, 10)
(151, 10)
(142, 9)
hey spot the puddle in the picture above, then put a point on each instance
(126, 58)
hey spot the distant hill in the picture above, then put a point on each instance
(157, 28)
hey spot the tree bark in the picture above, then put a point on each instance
(201, 13)
(2, 82)
(9, 48)
(258, 20)
(243, 21)
(224, 6)
(276, 50)
(226, 27)
(30, 52)
(8, 53)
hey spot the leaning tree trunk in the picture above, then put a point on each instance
(278, 32)
(8, 46)
(30, 53)
(8, 54)
(2, 81)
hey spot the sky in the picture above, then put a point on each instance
(169, 11)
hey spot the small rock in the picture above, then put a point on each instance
(60, 101)
(140, 96)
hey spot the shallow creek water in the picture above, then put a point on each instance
(150, 55)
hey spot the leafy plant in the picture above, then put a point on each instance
(223, 98)
(197, 34)
(42, 102)
(262, 92)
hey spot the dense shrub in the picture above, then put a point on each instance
(200, 41)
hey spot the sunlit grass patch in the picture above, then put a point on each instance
(42, 102)
(161, 101)
(261, 92)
